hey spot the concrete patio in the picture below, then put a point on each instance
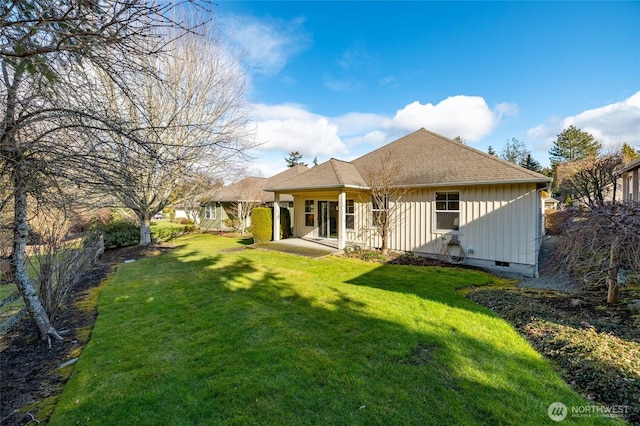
(315, 248)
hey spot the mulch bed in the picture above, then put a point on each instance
(30, 375)
(595, 346)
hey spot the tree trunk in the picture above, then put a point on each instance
(145, 231)
(384, 236)
(613, 295)
(18, 257)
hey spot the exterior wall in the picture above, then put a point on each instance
(219, 222)
(631, 185)
(498, 223)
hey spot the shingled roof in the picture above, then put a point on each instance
(252, 188)
(427, 159)
(330, 174)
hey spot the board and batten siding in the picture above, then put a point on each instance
(497, 223)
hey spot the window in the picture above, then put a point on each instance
(448, 211)
(309, 209)
(209, 212)
(284, 204)
(350, 215)
(379, 209)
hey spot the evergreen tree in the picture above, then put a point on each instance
(628, 153)
(294, 159)
(531, 164)
(573, 144)
(491, 151)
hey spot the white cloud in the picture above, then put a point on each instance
(292, 128)
(466, 116)
(375, 138)
(506, 109)
(611, 124)
(358, 123)
(267, 44)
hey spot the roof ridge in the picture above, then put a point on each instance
(332, 161)
(498, 159)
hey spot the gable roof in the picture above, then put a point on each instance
(426, 159)
(430, 159)
(330, 174)
(252, 188)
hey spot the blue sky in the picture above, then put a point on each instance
(338, 79)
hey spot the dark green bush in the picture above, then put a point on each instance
(285, 223)
(119, 234)
(261, 224)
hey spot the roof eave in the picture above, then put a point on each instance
(476, 183)
(316, 188)
(424, 185)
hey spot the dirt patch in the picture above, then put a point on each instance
(31, 375)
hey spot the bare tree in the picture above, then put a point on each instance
(58, 261)
(386, 195)
(589, 178)
(45, 47)
(192, 120)
(249, 195)
(601, 246)
(189, 191)
(514, 151)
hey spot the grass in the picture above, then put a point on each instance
(201, 336)
(164, 230)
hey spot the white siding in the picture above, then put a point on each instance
(497, 223)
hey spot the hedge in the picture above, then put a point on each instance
(261, 225)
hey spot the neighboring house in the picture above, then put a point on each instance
(226, 204)
(462, 204)
(630, 176)
(181, 212)
(611, 193)
(551, 203)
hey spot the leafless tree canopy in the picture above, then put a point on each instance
(588, 178)
(52, 52)
(601, 245)
(191, 120)
(386, 194)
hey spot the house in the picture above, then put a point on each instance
(459, 203)
(551, 203)
(630, 176)
(235, 202)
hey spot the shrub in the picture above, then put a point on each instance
(285, 223)
(119, 234)
(261, 224)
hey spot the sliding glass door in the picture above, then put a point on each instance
(328, 220)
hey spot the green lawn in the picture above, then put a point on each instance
(204, 335)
